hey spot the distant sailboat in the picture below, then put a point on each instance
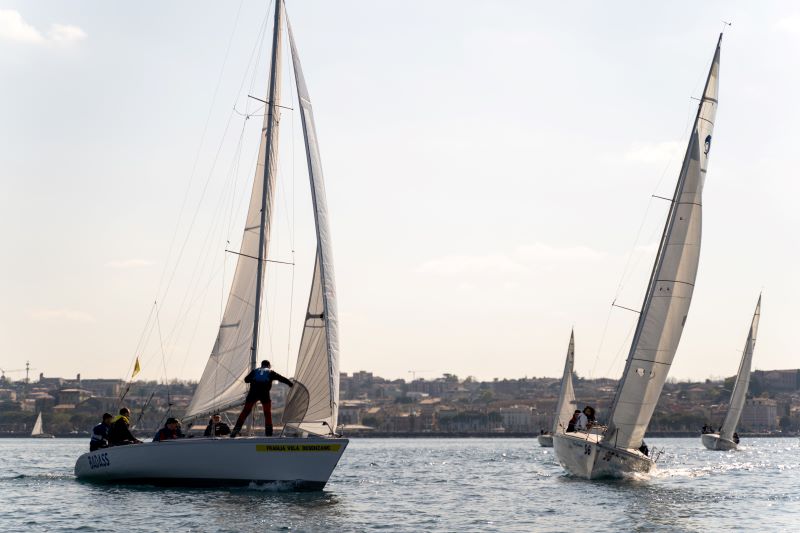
(38, 430)
(725, 440)
(306, 459)
(621, 449)
(566, 397)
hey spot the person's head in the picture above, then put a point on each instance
(125, 412)
(577, 412)
(172, 423)
(265, 364)
(588, 411)
(216, 418)
(107, 418)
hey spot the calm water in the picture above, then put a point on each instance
(425, 485)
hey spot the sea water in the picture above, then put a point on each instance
(425, 485)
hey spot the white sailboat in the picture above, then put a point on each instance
(724, 440)
(620, 448)
(38, 429)
(309, 449)
(566, 398)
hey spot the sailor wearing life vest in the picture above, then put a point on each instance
(260, 381)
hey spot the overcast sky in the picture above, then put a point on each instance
(489, 169)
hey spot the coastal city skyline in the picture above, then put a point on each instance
(465, 242)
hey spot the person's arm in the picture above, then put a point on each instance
(282, 379)
(223, 429)
(249, 377)
(209, 429)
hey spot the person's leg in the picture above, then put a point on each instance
(266, 404)
(248, 406)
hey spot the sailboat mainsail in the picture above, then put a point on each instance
(739, 394)
(37, 427)
(566, 399)
(318, 356)
(233, 355)
(669, 292)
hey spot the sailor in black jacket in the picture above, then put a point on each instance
(260, 381)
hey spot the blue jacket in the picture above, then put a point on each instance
(100, 435)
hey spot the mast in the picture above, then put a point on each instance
(274, 76)
(672, 277)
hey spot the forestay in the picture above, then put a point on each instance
(669, 291)
(222, 385)
(739, 393)
(318, 356)
(566, 399)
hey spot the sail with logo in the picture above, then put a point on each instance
(311, 410)
(662, 318)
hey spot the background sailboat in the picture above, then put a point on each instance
(724, 440)
(308, 457)
(566, 397)
(661, 320)
(38, 429)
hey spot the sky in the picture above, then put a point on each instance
(490, 171)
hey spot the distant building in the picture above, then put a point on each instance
(518, 418)
(760, 414)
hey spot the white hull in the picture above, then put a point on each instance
(713, 441)
(301, 463)
(583, 455)
(545, 441)
(43, 436)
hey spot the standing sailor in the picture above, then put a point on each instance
(260, 381)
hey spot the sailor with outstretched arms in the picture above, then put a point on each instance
(260, 381)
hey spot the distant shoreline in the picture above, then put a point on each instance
(478, 435)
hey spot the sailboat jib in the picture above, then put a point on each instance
(37, 427)
(739, 394)
(566, 398)
(669, 292)
(221, 385)
(318, 356)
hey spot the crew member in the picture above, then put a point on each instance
(260, 381)
(120, 433)
(100, 433)
(171, 430)
(217, 427)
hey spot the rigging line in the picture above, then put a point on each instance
(164, 363)
(200, 147)
(205, 188)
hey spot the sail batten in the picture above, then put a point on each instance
(739, 394)
(669, 292)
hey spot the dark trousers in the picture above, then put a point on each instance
(266, 405)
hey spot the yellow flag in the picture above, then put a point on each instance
(136, 368)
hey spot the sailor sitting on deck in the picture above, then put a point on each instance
(171, 430)
(573, 421)
(216, 427)
(260, 381)
(100, 433)
(120, 429)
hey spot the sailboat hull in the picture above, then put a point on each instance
(585, 455)
(545, 441)
(291, 463)
(712, 441)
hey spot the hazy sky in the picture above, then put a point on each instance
(489, 166)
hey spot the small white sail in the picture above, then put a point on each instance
(739, 393)
(37, 427)
(318, 356)
(566, 399)
(671, 285)
(222, 385)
